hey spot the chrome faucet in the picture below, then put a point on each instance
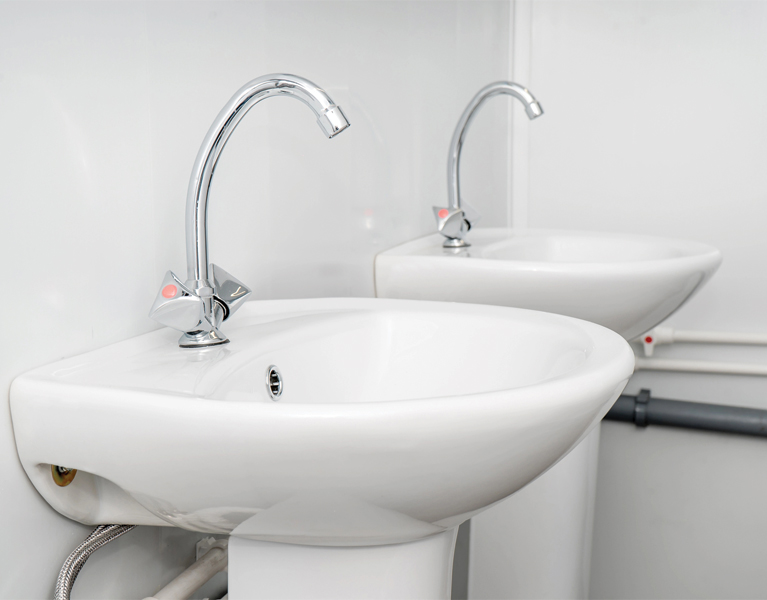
(454, 222)
(210, 295)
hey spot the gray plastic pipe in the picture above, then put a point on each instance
(643, 410)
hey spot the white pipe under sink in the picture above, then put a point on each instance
(668, 335)
(197, 574)
(699, 366)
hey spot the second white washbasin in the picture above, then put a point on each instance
(628, 283)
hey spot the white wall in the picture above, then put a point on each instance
(656, 122)
(102, 109)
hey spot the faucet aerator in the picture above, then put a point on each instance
(533, 110)
(332, 121)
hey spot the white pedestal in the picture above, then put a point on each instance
(413, 570)
(537, 543)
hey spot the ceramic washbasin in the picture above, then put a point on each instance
(398, 419)
(628, 283)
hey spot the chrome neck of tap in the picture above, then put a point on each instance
(455, 221)
(330, 118)
(210, 295)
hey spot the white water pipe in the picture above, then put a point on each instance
(698, 366)
(182, 587)
(668, 335)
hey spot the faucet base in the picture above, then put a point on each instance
(202, 339)
(455, 243)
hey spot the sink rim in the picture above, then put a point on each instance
(604, 352)
(701, 252)
(629, 297)
(395, 455)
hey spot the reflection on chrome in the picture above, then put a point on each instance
(210, 295)
(454, 222)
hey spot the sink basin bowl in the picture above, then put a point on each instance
(628, 283)
(398, 419)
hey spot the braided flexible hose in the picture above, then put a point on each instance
(102, 535)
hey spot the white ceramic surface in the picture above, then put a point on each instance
(628, 283)
(103, 113)
(538, 542)
(684, 161)
(398, 419)
(414, 570)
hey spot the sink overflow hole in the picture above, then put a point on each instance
(62, 476)
(273, 382)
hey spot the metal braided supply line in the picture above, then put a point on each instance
(102, 535)
(72, 565)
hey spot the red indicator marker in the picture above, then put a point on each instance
(169, 291)
(648, 339)
(443, 213)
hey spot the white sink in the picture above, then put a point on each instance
(628, 283)
(398, 420)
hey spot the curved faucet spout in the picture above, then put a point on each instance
(330, 118)
(210, 295)
(533, 110)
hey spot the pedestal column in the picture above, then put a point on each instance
(416, 570)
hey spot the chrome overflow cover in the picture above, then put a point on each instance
(273, 382)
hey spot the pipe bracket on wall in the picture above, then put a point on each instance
(640, 408)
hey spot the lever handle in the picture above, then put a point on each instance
(228, 289)
(454, 224)
(450, 223)
(470, 215)
(177, 306)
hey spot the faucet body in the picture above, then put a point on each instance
(210, 295)
(455, 220)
